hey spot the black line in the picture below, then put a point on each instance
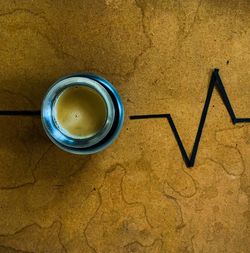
(149, 116)
(215, 81)
(224, 96)
(178, 139)
(20, 113)
(241, 120)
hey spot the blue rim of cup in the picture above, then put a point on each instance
(68, 144)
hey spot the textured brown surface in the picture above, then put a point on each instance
(136, 196)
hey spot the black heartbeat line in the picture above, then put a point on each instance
(20, 113)
(215, 80)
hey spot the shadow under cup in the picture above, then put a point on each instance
(82, 113)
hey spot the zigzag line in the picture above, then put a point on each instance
(215, 81)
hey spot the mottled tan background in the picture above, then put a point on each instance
(136, 196)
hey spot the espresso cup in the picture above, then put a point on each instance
(82, 113)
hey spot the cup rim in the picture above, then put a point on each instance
(116, 128)
(48, 112)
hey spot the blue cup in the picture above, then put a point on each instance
(90, 144)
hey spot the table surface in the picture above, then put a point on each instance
(137, 195)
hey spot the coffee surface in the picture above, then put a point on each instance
(80, 111)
